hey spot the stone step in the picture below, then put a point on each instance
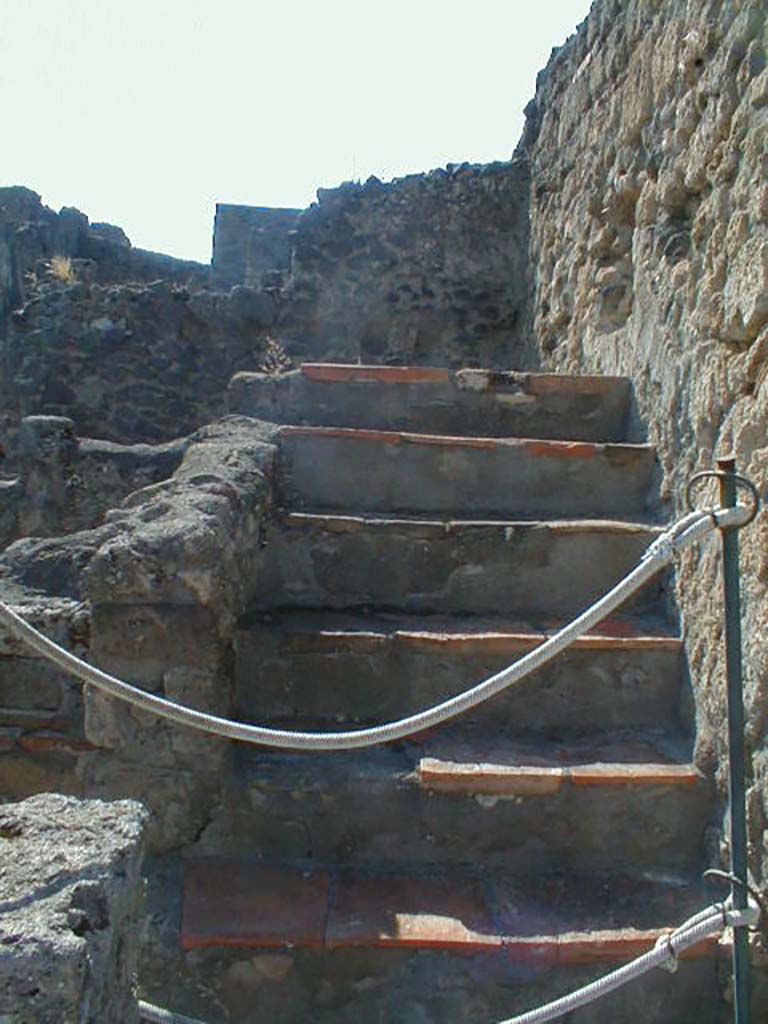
(385, 471)
(633, 802)
(438, 400)
(551, 918)
(303, 942)
(335, 668)
(483, 567)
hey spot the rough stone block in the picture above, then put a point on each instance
(70, 894)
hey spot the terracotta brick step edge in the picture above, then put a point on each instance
(533, 447)
(256, 906)
(40, 742)
(332, 373)
(534, 780)
(470, 379)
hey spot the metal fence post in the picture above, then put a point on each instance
(736, 752)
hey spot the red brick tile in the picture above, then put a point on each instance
(600, 947)
(46, 742)
(634, 775)
(337, 372)
(621, 945)
(504, 780)
(240, 904)
(411, 911)
(613, 946)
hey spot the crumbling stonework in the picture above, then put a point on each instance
(65, 483)
(129, 363)
(70, 903)
(35, 234)
(641, 176)
(426, 269)
(165, 577)
(649, 235)
(251, 244)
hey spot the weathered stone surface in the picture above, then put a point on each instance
(70, 897)
(39, 234)
(250, 243)
(166, 575)
(435, 400)
(66, 484)
(649, 230)
(128, 362)
(190, 539)
(428, 268)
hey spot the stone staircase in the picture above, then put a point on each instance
(432, 527)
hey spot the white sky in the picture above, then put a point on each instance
(145, 113)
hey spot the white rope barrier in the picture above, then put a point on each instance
(157, 1015)
(664, 954)
(678, 537)
(675, 539)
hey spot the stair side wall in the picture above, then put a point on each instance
(649, 235)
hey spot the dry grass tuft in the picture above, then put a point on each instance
(60, 269)
(276, 360)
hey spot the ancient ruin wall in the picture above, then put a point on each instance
(250, 243)
(132, 362)
(430, 268)
(649, 237)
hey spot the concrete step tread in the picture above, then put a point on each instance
(454, 566)
(318, 631)
(447, 473)
(550, 920)
(615, 451)
(437, 400)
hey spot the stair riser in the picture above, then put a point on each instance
(580, 691)
(282, 813)
(387, 474)
(595, 412)
(348, 986)
(486, 569)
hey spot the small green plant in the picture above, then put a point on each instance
(276, 360)
(60, 269)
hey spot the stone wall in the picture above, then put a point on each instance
(251, 242)
(152, 595)
(128, 362)
(426, 269)
(71, 896)
(65, 483)
(649, 237)
(36, 234)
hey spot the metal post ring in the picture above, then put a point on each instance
(740, 481)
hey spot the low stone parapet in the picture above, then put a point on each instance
(70, 904)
